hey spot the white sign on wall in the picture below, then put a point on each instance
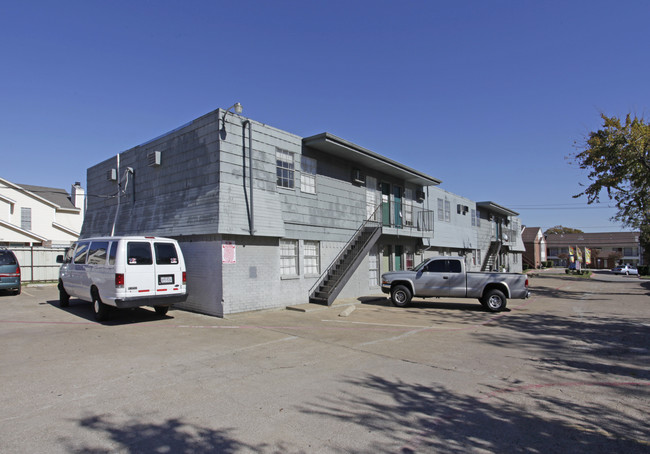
(228, 252)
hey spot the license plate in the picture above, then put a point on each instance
(166, 279)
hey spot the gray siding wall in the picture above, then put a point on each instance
(235, 199)
(179, 197)
(458, 233)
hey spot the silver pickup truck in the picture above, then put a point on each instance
(446, 277)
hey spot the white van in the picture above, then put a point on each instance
(123, 272)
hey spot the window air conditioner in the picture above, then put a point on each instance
(358, 177)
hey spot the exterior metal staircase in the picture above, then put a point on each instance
(489, 264)
(332, 281)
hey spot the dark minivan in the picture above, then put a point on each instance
(9, 271)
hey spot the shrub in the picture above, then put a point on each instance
(643, 270)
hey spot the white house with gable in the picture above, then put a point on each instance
(39, 216)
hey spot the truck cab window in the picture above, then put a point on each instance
(437, 266)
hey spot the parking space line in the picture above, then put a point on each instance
(378, 324)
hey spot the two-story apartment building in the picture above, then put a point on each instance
(39, 216)
(267, 219)
(487, 234)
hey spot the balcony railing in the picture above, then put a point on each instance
(509, 236)
(409, 220)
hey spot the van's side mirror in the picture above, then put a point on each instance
(59, 259)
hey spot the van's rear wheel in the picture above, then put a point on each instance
(495, 300)
(161, 310)
(101, 310)
(400, 296)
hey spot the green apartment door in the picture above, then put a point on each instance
(399, 251)
(385, 204)
(397, 204)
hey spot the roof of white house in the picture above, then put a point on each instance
(57, 196)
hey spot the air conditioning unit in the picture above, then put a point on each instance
(358, 177)
(419, 195)
(153, 158)
(111, 174)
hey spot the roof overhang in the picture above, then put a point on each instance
(8, 200)
(31, 235)
(496, 208)
(66, 229)
(341, 148)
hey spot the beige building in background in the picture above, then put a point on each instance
(608, 249)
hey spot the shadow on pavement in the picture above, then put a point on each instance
(426, 417)
(171, 436)
(84, 310)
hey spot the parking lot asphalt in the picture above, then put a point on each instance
(564, 371)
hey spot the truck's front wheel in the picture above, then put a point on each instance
(400, 296)
(495, 300)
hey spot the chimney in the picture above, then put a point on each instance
(78, 197)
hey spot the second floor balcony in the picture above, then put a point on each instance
(410, 220)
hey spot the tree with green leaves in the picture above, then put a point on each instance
(561, 230)
(617, 158)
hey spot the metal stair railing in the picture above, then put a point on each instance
(372, 220)
(493, 252)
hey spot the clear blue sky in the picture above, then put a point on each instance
(488, 96)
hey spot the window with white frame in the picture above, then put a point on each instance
(373, 268)
(284, 168)
(473, 218)
(26, 218)
(410, 260)
(288, 257)
(444, 210)
(478, 218)
(308, 176)
(312, 257)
